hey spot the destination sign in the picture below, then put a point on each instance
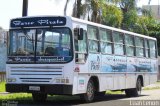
(38, 21)
(38, 59)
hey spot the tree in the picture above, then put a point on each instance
(65, 7)
(113, 16)
(77, 9)
(130, 16)
(154, 31)
(91, 8)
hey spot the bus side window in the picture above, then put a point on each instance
(118, 43)
(81, 49)
(146, 48)
(93, 41)
(152, 48)
(106, 43)
(129, 41)
(139, 46)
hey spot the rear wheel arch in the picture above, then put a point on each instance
(95, 80)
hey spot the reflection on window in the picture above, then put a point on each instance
(152, 46)
(138, 42)
(106, 44)
(139, 47)
(129, 45)
(54, 42)
(81, 48)
(93, 39)
(22, 42)
(118, 43)
(117, 37)
(118, 49)
(92, 33)
(139, 52)
(129, 51)
(129, 40)
(93, 46)
(146, 48)
(106, 47)
(105, 35)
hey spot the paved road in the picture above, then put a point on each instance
(107, 100)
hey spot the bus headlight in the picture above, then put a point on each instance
(11, 79)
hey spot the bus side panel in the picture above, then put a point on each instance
(120, 67)
(154, 70)
(130, 76)
(130, 80)
(107, 68)
(106, 82)
(153, 78)
(80, 83)
(119, 81)
(146, 79)
(147, 64)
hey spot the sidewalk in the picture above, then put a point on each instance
(152, 86)
(4, 93)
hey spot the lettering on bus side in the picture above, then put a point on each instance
(95, 65)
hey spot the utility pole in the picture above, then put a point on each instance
(25, 8)
(149, 1)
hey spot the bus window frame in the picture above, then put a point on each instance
(147, 49)
(128, 45)
(108, 42)
(139, 47)
(77, 51)
(95, 40)
(35, 55)
(122, 44)
(152, 49)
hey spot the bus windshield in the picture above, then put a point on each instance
(40, 45)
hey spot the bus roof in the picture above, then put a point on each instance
(111, 28)
(90, 23)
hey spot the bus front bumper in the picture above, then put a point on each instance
(39, 88)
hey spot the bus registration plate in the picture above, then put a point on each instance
(34, 88)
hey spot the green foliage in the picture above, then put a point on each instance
(123, 16)
(113, 92)
(16, 96)
(129, 20)
(127, 5)
(2, 86)
(153, 86)
(113, 16)
(154, 31)
(77, 9)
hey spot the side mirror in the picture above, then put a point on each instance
(80, 34)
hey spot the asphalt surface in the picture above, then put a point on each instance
(147, 97)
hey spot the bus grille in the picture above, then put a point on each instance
(36, 74)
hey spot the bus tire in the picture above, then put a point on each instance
(39, 97)
(138, 89)
(90, 92)
(135, 92)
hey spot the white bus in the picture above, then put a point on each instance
(50, 55)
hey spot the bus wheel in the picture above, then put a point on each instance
(134, 92)
(39, 97)
(90, 92)
(138, 88)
